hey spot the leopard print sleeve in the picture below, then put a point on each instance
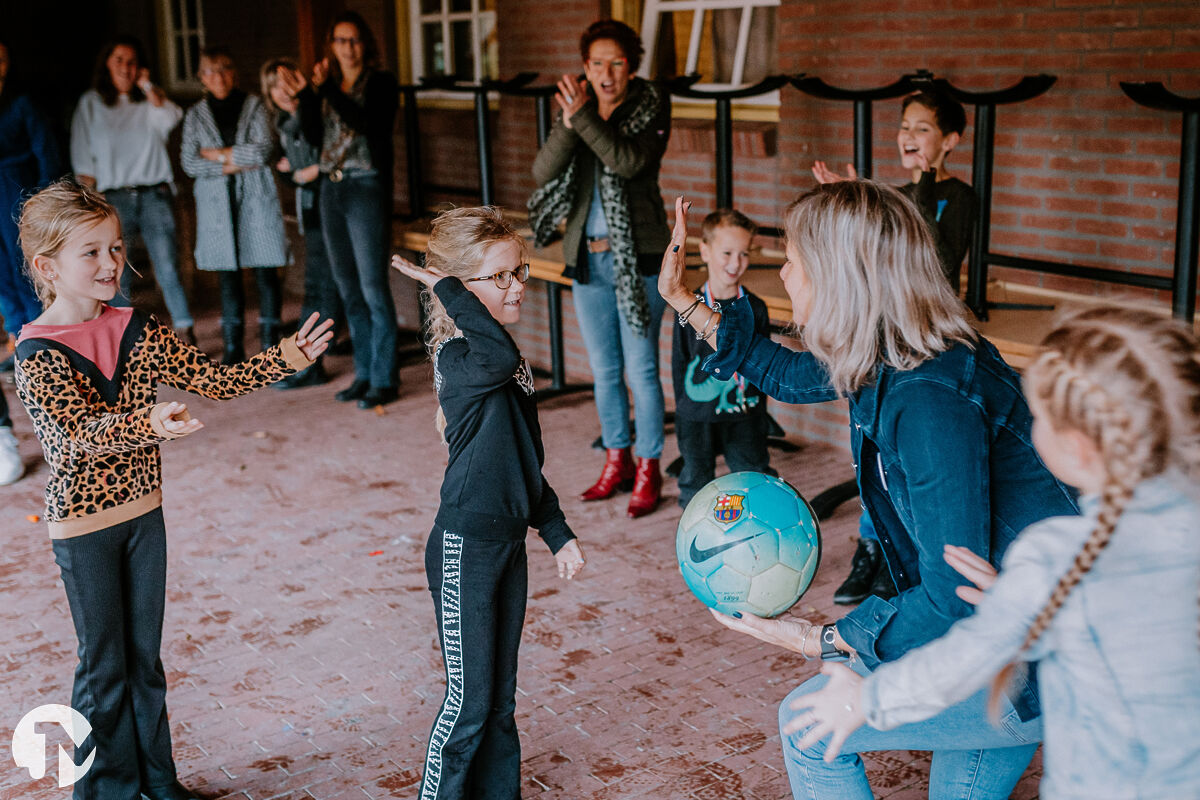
(59, 411)
(184, 367)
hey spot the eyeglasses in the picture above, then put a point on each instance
(504, 279)
(347, 40)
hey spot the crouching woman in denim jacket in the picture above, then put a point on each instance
(942, 445)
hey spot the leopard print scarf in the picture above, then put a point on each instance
(554, 201)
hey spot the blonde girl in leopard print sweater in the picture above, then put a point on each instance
(88, 375)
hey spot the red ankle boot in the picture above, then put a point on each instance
(617, 474)
(647, 488)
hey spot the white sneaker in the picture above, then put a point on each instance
(11, 466)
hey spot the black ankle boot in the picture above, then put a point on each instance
(270, 334)
(868, 559)
(235, 351)
(883, 587)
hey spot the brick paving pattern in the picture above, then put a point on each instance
(300, 645)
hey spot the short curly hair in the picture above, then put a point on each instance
(625, 37)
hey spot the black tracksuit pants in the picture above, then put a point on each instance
(116, 588)
(478, 588)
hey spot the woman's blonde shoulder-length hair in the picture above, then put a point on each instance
(878, 294)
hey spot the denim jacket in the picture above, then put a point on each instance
(1119, 666)
(944, 455)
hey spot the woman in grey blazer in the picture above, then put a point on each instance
(227, 143)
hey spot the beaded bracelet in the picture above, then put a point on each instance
(686, 314)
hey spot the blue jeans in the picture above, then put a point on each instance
(355, 219)
(147, 212)
(972, 760)
(614, 351)
(19, 302)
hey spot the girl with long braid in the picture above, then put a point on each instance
(1106, 602)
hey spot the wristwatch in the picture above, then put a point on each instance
(829, 650)
(222, 158)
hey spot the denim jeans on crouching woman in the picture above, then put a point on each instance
(988, 770)
(614, 351)
(354, 218)
(148, 211)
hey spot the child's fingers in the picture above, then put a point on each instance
(852, 172)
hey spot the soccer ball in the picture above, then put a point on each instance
(748, 542)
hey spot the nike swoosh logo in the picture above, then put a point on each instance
(697, 555)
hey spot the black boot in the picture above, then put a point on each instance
(270, 334)
(868, 559)
(235, 351)
(310, 376)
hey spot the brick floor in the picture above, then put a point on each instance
(299, 639)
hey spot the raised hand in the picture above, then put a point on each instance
(313, 341)
(570, 559)
(978, 571)
(175, 419)
(790, 634)
(824, 174)
(836, 710)
(425, 275)
(572, 95)
(320, 72)
(292, 80)
(670, 277)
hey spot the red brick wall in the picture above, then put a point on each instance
(1082, 174)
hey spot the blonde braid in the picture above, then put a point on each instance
(1068, 394)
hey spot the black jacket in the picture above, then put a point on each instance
(494, 487)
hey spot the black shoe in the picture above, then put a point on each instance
(380, 396)
(883, 587)
(868, 559)
(269, 335)
(355, 391)
(172, 791)
(235, 351)
(310, 376)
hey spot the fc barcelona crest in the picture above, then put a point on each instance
(728, 507)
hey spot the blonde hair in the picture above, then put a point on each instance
(458, 243)
(1129, 381)
(268, 76)
(879, 296)
(50, 217)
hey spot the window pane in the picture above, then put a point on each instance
(181, 73)
(431, 6)
(192, 19)
(490, 45)
(193, 45)
(435, 49)
(460, 5)
(460, 33)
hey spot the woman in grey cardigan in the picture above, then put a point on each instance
(599, 169)
(227, 143)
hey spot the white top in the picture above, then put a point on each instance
(123, 144)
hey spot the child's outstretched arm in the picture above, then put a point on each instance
(45, 386)
(184, 367)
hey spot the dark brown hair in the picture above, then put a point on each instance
(102, 78)
(948, 113)
(626, 38)
(370, 48)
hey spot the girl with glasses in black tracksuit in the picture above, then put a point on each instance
(492, 493)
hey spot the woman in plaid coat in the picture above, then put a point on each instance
(227, 143)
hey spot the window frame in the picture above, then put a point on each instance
(417, 21)
(652, 16)
(173, 31)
